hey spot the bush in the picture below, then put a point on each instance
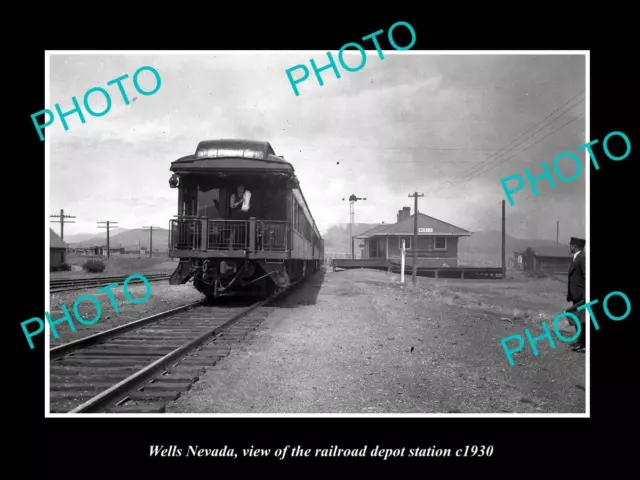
(94, 266)
(65, 267)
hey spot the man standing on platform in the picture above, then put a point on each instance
(239, 204)
(576, 287)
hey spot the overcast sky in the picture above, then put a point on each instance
(405, 123)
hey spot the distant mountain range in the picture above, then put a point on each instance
(79, 237)
(336, 240)
(128, 239)
(490, 242)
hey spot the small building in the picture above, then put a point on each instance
(57, 250)
(437, 241)
(546, 260)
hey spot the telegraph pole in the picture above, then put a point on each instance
(557, 235)
(150, 239)
(504, 242)
(352, 200)
(414, 246)
(62, 216)
(108, 222)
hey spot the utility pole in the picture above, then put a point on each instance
(504, 242)
(62, 216)
(108, 222)
(414, 245)
(352, 200)
(150, 239)
(557, 235)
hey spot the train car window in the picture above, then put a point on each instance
(208, 195)
(300, 221)
(209, 203)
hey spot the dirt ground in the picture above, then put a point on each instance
(359, 342)
(118, 265)
(163, 297)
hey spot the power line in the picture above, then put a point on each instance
(510, 157)
(489, 160)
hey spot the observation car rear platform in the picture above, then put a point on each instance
(276, 242)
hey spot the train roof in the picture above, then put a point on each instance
(231, 155)
(237, 156)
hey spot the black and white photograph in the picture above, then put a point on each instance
(251, 234)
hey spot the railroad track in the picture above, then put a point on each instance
(63, 285)
(140, 366)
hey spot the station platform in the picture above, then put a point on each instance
(436, 272)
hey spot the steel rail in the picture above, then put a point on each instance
(117, 392)
(98, 283)
(98, 277)
(103, 278)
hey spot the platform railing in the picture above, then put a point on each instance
(427, 253)
(185, 233)
(197, 233)
(228, 234)
(271, 236)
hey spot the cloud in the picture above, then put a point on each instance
(403, 124)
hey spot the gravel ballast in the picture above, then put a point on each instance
(163, 297)
(358, 342)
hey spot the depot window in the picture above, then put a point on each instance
(407, 242)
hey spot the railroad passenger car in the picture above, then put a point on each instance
(274, 243)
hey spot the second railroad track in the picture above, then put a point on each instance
(140, 366)
(63, 285)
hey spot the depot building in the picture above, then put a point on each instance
(437, 241)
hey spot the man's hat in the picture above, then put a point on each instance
(578, 242)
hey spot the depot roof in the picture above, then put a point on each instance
(427, 226)
(55, 241)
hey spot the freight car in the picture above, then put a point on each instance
(226, 248)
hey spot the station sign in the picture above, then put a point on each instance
(228, 152)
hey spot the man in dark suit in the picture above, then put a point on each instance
(576, 287)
